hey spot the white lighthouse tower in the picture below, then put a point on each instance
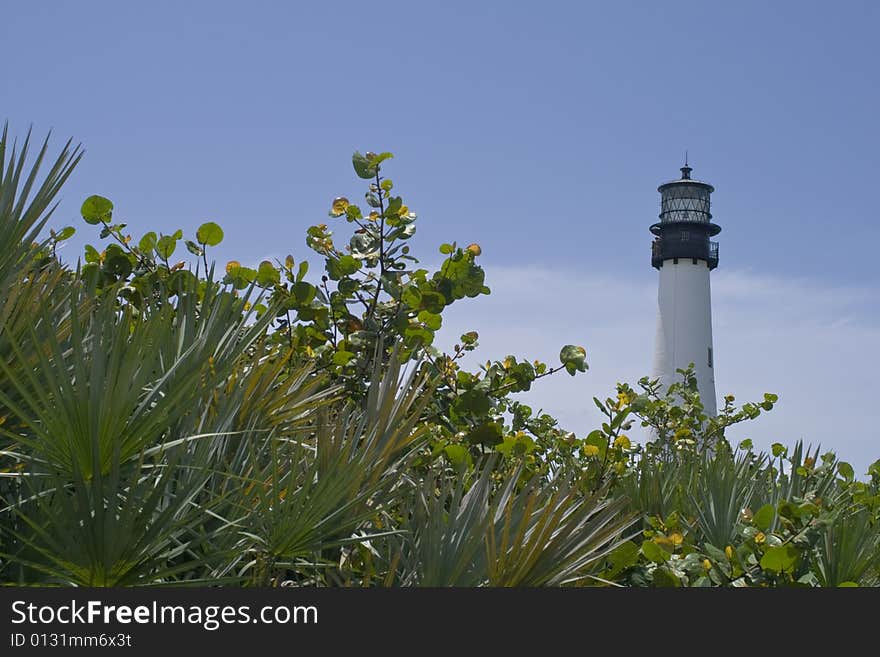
(684, 255)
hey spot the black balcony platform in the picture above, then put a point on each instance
(671, 249)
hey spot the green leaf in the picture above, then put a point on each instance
(654, 552)
(788, 510)
(267, 274)
(469, 338)
(663, 577)
(303, 292)
(194, 248)
(763, 518)
(183, 281)
(65, 233)
(96, 209)
(348, 286)
(210, 234)
(411, 296)
(458, 455)
(91, 254)
(166, 246)
(118, 264)
(778, 449)
(147, 243)
(363, 167)
(430, 320)
(640, 404)
(473, 401)
(433, 302)
(716, 553)
(573, 358)
(343, 266)
(620, 559)
(301, 270)
(845, 470)
(516, 445)
(599, 440)
(394, 205)
(446, 249)
(488, 433)
(779, 559)
(342, 357)
(239, 276)
(353, 212)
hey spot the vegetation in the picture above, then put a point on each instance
(165, 423)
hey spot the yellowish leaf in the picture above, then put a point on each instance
(340, 204)
(622, 442)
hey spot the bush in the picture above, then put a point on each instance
(164, 423)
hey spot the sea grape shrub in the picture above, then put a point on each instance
(371, 297)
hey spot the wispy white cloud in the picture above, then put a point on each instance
(813, 344)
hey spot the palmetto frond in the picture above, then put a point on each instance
(120, 382)
(465, 532)
(849, 550)
(22, 216)
(723, 486)
(551, 533)
(324, 485)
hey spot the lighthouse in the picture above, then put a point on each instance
(684, 255)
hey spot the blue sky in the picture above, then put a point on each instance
(540, 131)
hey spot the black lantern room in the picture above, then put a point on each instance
(685, 224)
